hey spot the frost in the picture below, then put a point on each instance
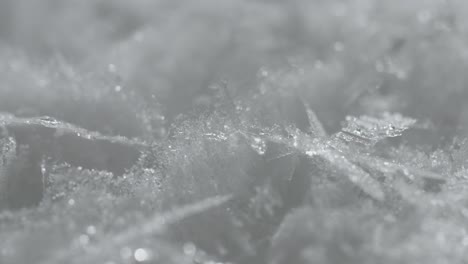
(72, 144)
(424, 179)
(106, 149)
(258, 145)
(7, 154)
(316, 127)
(155, 225)
(355, 163)
(369, 130)
(356, 175)
(45, 137)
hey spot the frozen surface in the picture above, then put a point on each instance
(227, 131)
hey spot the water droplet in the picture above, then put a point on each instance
(71, 202)
(142, 254)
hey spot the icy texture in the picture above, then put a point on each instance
(369, 130)
(259, 131)
(72, 144)
(154, 226)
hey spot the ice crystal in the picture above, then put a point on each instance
(369, 130)
(73, 144)
(355, 163)
(105, 149)
(258, 145)
(316, 127)
(7, 154)
(355, 174)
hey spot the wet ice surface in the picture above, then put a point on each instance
(230, 131)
